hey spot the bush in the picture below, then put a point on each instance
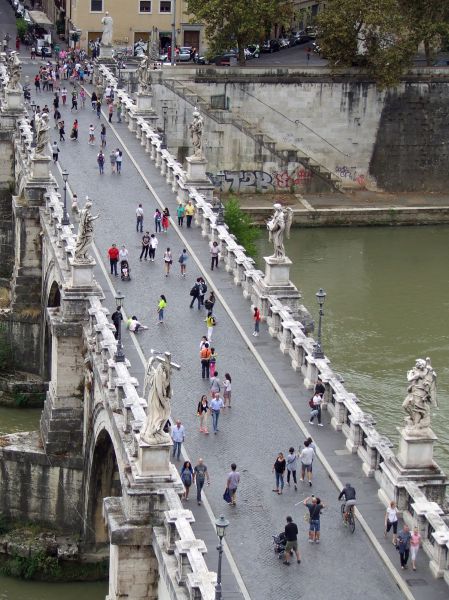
(241, 226)
(22, 28)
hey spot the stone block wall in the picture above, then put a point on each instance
(6, 235)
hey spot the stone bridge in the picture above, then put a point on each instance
(87, 469)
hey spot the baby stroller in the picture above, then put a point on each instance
(125, 271)
(279, 543)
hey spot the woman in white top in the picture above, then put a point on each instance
(168, 261)
(123, 253)
(391, 521)
(227, 390)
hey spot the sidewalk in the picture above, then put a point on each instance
(259, 425)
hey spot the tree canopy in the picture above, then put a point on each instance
(237, 23)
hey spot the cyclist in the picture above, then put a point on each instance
(349, 495)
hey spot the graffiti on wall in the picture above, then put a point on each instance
(245, 182)
(351, 174)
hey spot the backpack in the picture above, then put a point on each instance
(203, 288)
(181, 259)
(194, 291)
(213, 321)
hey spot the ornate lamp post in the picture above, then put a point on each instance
(217, 181)
(220, 525)
(317, 350)
(65, 216)
(119, 355)
(164, 134)
(120, 65)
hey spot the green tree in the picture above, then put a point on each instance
(231, 23)
(429, 22)
(240, 225)
(373, 34)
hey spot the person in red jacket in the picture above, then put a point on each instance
(113, 259)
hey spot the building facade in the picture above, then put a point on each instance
(134, 20)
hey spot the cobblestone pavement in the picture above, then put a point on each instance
(258, 426)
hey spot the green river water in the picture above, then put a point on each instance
(387, 304)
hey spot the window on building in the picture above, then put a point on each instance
(145, 6)
(165, 6)
(96, 5)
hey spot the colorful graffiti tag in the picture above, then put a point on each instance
(242, 182)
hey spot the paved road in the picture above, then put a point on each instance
(259, 425)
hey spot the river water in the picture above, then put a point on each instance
(387, 304)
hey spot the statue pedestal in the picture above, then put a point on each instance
(154, 460)
(277, 273)
(14, 100)
(196, 169)
(82, 274)
(106, 52)
(416, 452)
(40, 167)
(144, 102)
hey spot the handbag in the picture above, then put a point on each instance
(227, 496)
(311, 404)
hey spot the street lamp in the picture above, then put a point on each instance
(65, 216)
(220, 525)
(120, 63)
(317, 349)
(217, 181)
(164, 135)
(119, 356)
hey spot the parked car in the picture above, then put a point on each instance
(185, 54)
(225, 60)
(252, 51)
(283, 43)
(271, 46)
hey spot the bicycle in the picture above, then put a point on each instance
(349, 521)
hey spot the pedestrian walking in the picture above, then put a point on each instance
(91, 135)
(74, 132)
(100, 161)
(56, 117)
(415, 542)
(214, 384)
(103, 135)
(178, 435)
(145, 246)
(168, 261)
(205, 353)
(110, 112)
(139, 219)
(74, 101)
(203, 413)
(113, 254)
(161, 308)
(195, 293)
(315, 405)
(180, 211)
(112, 161)
(83, 97)
(214, 251)
(212, 362)
(93, 101)
(183, 262)
(165, 221)
(227, 389)
(189, 212)
(119, 112)
(306, 457)
(314, 507)
(157, 220)
(98, 108)
(232, 483)
(291, 537)
(119, 159)
(55, 152)
(61, 128)
(123, 253)
(153, 246)
(319, 388)
(216, 404)
(403, 545)
(210, 324)
(210, 302)
(64, 95)
(391, 521)
(292, 463)
(203, 290)
(256, 318)
(279, 470)
(200, 474)
(186, 478)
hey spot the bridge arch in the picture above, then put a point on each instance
(103, 477)
(53, 300)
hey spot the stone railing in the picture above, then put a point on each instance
(179, 552)
(362, 438)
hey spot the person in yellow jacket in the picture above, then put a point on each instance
(189, 212)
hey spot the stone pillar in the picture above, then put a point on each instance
(416, 452)
(196, 177)
(277, 283)
(133, 572)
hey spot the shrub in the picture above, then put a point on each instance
(241, 226)
(22, 28)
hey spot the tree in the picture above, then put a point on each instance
(237, 23)
(374, 34)
(240, 225)
(429, 22)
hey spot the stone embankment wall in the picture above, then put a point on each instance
(365, 137)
